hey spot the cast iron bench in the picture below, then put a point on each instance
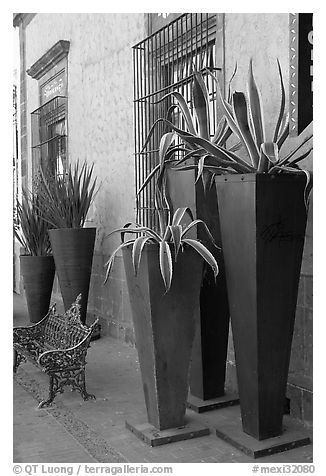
(58, 346)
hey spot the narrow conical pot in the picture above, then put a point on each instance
(209, 356)
(164, 324)
(73, 250)
(38, 274)
(263, 220)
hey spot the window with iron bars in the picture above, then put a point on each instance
(49, 137)
(164, 62)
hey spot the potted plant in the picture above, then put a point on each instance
(164, 273)
(36, 262)
(263, 199)
(193, 189)
(65, 202)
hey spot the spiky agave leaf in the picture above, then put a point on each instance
(284, 131)
(222, 156)
(255, 107)
(176, 232)
(166, 266)
(109, 263)
(179, 215)
(183, 106)
(268, 156)
(165, 142)
(195, 223)
(201, 104)
(135, 230)
(240, 114)
(137, 249)
(301, 157)
(282, 107)
(232, 122)
(204, 252)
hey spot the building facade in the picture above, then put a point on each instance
(81, 73)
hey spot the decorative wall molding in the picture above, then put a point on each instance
(55, 54)
(293, 110)
(301, 81)
(22, 19)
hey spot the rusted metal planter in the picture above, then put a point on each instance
(73, 250)
(208, 362)
(263, 221)
(38, 274)
(164, 326)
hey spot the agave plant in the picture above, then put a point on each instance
(245, 119)
(198, 142)
(66, 199)
(32, 230)
(169, 245)
(242, 116)
(171, 236)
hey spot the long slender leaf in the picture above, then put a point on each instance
(137, 249)
(301, 157)
(195, 223)
(182, 104)
(282, 107)
(286, 159)
(149, 178)
(285, 130)
(255, 107)
(110, 262)
(204, 252)
(268, 156)
(179, 214)
(165, 143)
(176, 232)
(137, 229)
(240, 114)
(201, 104)
(166, 264)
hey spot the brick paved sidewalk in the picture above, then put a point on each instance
(75, 431)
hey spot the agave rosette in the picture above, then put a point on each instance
(170, 240)
(245, 118)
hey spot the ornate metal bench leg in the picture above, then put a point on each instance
(18, 358)
(52, 393)
(16, 362)
(82, 386)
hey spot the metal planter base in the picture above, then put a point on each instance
(154, 437)
(200, 406)
(229, 428)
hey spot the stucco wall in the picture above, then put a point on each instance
(100, 94)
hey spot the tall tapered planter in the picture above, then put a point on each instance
(263, 221)
(207, 377)
(73, 250)
(164, 324)
(38, 274)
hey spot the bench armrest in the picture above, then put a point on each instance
(23, 334)
(67, 358)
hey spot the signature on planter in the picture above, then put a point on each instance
(278, 231)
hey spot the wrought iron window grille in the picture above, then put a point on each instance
(164, 62)
(49, 137)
